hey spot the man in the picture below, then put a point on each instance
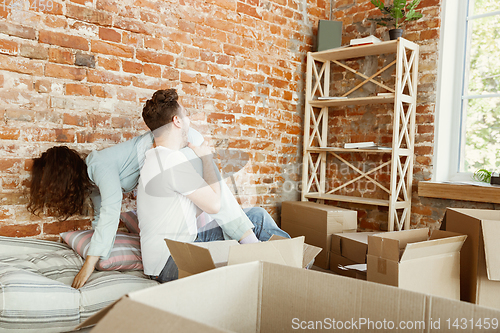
(178, 178)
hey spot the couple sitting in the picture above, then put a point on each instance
(178, 179)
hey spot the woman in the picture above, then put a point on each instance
(62, 181)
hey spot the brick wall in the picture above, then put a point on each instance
(373, 120)
(78, 72)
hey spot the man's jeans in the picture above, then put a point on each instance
(264, 224)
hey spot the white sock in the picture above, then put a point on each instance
(249, 239)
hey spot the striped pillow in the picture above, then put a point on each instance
(125, 254)
(13, 245)
(130, 220)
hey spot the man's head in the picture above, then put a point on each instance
(162, 112)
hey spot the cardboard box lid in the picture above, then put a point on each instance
(194, 258)
(413, 244)
(310, 252)
(433, 247)
(288, 252)
(388, 245)
(491, 237)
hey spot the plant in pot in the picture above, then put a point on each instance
(396, 14)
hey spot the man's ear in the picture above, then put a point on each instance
(176, 121)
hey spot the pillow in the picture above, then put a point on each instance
(61, 265)
(125, 254)
(130, 220)
(14, 246)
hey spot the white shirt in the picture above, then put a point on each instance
(163, 209)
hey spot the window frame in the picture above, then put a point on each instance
(451, 94)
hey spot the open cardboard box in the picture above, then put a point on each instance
(268, 298)
(411, 260)
(317, 223)
(194, 258)
(352, 245)
(480, 255)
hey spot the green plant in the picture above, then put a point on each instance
(397, 13)
(482, 175)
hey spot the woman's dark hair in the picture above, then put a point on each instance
(59, 183)
(161, 108)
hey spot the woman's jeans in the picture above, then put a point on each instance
(264, 224)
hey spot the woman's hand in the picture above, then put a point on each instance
(85, 272)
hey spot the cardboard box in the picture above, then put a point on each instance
(340, 266)
(479, 258)
(268, 298)
(317, 223)
(352, 245)
(194, 258)
(411, 260)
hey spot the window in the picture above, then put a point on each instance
(468, 105)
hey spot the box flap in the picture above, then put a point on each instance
(491, 236)
(189, 258)
(388, 244)
(433, 247)
(287, 252)
(131, 316)
(219, 250)
(310, 251)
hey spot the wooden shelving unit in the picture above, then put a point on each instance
(401, 99)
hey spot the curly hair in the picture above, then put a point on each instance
(161, 108)
(59, 182)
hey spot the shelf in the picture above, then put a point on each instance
(347, 198)
(352, 101)
(463, 192)
(402, 152)
(359, 200)
(348, 150)
(361, 51)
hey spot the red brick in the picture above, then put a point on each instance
(55, 22)
(125, 95)
(11, 29)
(57, 38)
(87, 14)
(112, 64)
(74, 120)
(65, 72)
(77, 89)
(153, 43)
(9, 133)
(220, 118)
(170, 73)
(82, 2)
(112, 49)
(429, 34)
(20, 230)
(10, 165)
(131, 25)
(149, 17)
(120, 122)
(97, 76)
(8, 47)
(132, 39)
(248, 10)
(61, 56)
(131, 67)
(154, 57)
(100, 91)
(110, 35)
(54, 228)
(152, 70)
